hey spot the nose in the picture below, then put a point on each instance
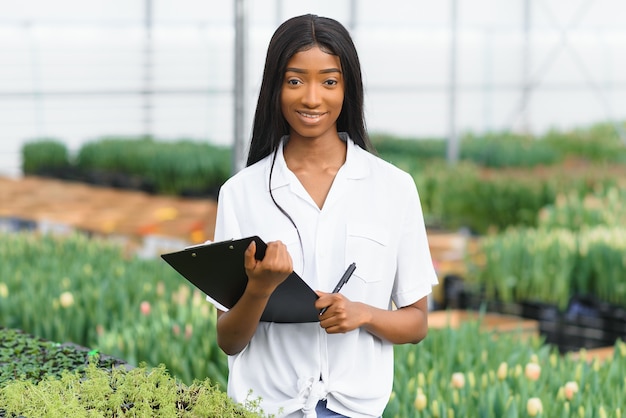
(312, 95)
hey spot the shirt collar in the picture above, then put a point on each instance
(355, 167)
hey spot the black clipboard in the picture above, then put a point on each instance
(217, 270)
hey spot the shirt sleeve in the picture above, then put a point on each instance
(226, 227)
(415, 275)
(226, 222)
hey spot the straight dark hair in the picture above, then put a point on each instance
(299, 34)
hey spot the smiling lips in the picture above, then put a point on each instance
(311, 116)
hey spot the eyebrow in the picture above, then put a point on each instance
(303, 71)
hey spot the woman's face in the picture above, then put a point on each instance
(312, 93)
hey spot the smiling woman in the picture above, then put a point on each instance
(312, 95)
(311, 102)
(321, 201)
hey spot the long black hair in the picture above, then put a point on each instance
(294, 35)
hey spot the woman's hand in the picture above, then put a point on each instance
(265, 275)
(342, 315)
(236, 327)
(408, 324)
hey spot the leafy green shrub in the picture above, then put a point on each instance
(44, 157)
(139, 392)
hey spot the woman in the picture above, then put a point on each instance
(321, 201)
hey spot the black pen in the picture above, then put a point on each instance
(344, 279)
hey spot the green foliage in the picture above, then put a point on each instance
(139, 392)
(599, 143)
(503, 179)
(575, 211)
(507, 150)
(526, 264)
(602, 263)
(474, 373)
(577, 248)
(86, 291)
(393, 148)
(108, 290)
(482, 200)
(44, 156)
(40, 359)
(170, 167)
(485, 191)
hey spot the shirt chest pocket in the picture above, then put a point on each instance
(369, 247)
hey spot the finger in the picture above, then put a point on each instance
(277, 257)
(323, 301)
(249, 259)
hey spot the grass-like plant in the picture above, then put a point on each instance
(133, 310)
(469, 372)
(45, 156)
(87, 291)
(577, 249)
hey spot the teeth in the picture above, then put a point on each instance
(307, 115)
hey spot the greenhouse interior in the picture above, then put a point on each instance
(123, 120)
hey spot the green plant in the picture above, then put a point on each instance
(87, 291)
(467, 196)
(397, 149)
(575, 211)
(526, 264)
(44, 157)
(603, 263)
(599, 142)
(139, 392)
(504, 149)
(24, 357)
(577, 249)
(473, 373)
(170, 167)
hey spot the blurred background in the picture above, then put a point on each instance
(80, 69)
(120, 120)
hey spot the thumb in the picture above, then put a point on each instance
(249, 261)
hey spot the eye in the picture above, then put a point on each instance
(331, 82)
(293, 82)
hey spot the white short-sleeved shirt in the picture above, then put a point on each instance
(372, 216)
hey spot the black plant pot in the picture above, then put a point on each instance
(511, 308)
(539, 311)
(615, 322)
(471, 299)
(453, 292)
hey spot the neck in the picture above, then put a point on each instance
(304, 152)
